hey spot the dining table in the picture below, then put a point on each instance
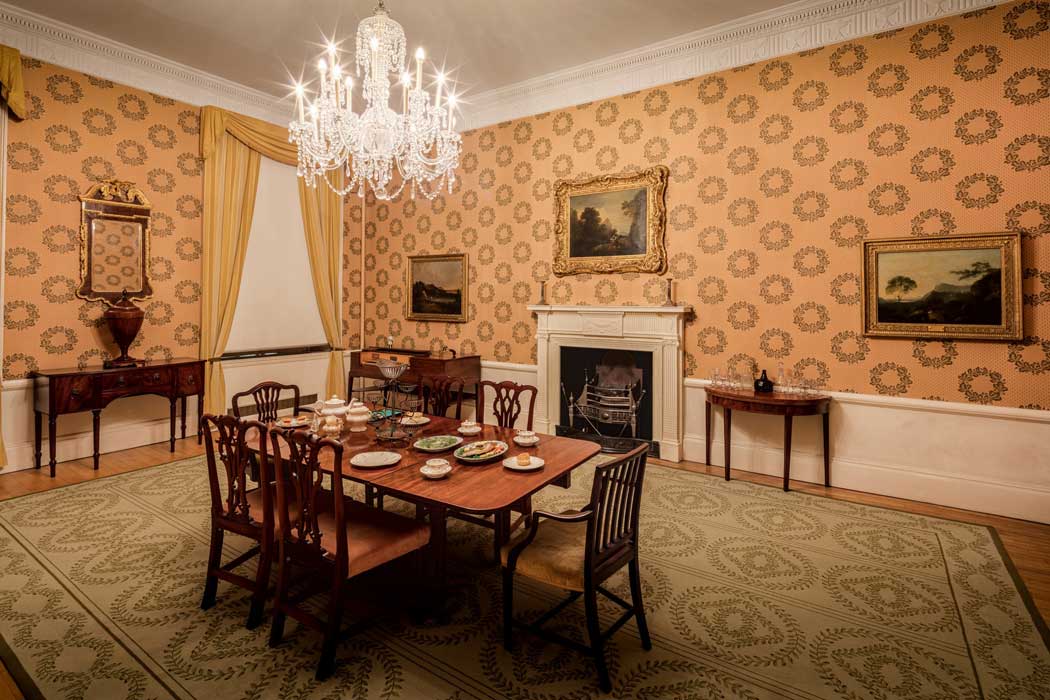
(478, 489)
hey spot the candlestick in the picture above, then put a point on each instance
(405, 78)
(669, 301)
(299, 100)
(419, 67)
(437, 98)
(349, 94)
(375, 57)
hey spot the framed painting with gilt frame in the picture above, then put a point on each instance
(611, 223)
(961, 287)
(437, 288)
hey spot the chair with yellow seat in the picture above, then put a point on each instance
(577, 551)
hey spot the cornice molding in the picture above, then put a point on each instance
(43, 38)
(800, 26)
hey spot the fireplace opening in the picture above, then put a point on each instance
(607, 396)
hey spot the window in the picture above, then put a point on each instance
(276, 307)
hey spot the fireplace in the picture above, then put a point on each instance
(646, 344)
(607, 395)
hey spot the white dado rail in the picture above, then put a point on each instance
(654, 329)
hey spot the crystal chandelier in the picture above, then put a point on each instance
(420, 142)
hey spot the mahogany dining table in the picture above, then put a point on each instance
(481, 489)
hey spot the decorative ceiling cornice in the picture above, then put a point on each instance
(43, 38)
(799, 26)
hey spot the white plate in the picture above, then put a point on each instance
(421, 420)
(457, 443)
(373, 460)
(294, 421)
(469, 431)
(534, 464)
(527, 443)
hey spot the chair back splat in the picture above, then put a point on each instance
(225, 445)
(267, 398)
(506, 399)
(441, 392)
(612, 532)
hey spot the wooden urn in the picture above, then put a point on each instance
(124, 319)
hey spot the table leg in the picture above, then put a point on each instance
(787, 451)
(183, 431)
(52, 436)
(171, 423)
(728, 424)
(827, 450)
(200, 422)
(96, 416)
(38, 437)
(707, 433)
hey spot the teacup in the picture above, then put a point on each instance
(437, 463)
(526, 437)
(435, 468)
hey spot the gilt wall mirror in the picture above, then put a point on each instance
(114, 242)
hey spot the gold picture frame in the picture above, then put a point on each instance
(597, 219)
(436, 298)
(114, 242)
(946, 287)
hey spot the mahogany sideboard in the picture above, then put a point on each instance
(61, 391)
(421, 363)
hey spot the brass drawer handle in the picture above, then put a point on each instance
(75, 393)
(121, 381)
(156, 376)
(191, 379)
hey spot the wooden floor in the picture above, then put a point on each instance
(1027, 543)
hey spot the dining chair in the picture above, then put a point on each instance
(506, 399)
(243, 510)
(267, 397)
(331, 537)
(441, 392)
(577, 551)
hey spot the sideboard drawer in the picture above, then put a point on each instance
(72, 393)
(135, 380)
(190, 379)
(371, 357)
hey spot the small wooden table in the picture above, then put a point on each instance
(775, 403)
(76, 389)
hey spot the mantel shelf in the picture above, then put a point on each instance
(559, 308)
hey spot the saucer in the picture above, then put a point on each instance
(435, 472)
(469, 431)
(512, 464)
(373, 460)
(527, 442)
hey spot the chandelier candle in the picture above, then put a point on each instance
(377, 148)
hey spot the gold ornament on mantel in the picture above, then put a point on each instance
(611, 223)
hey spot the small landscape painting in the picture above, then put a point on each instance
(950, 287)
(437, 287)
(611, 223)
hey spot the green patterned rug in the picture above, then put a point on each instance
(751, 593)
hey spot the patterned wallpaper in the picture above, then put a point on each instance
(81, 129)
(778, 171)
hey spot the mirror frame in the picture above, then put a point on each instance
(113, 200)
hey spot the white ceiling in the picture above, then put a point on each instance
(489, 43)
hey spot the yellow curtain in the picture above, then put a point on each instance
(321, 210)
(229, 203)
(322, 222)
(11, 87)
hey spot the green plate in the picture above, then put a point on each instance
(501, 449)
(437, 443)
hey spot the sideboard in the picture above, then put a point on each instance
(62, 391)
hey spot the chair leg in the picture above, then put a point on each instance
(329, 646)
(277, 624)
(262, 584)
(639, 606)
(211, 582)
(590, 602)
(508, 608)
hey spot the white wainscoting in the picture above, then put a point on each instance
(981, 458)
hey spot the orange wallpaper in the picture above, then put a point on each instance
(82, 129)
(778, 170)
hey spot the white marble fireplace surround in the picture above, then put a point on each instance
(653, 329)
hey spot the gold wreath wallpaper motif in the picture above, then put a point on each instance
(81, 129)
(778, 171)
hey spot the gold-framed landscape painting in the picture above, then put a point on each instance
(611, 223)
(437, 288)
(965, 287)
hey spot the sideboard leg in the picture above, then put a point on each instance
(728, 427)
(200, 418)
(183, 431)
(787, 450)
(52, 436)
(707, 433)
(96, 426)
(827, 449)
(171, 423)
(38, 437)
